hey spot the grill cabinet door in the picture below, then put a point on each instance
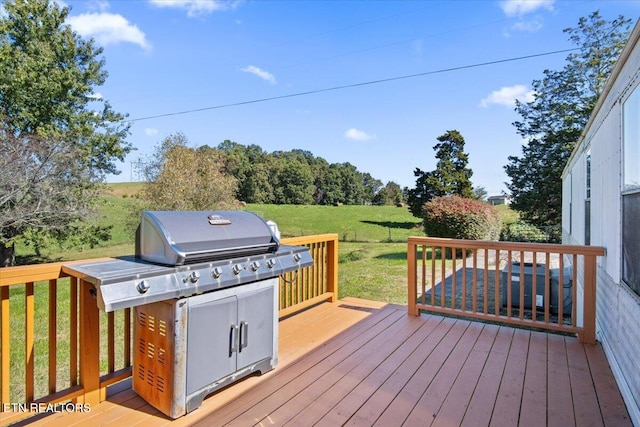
(210, 335)
(255, 321)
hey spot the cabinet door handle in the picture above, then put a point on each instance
(244, 335)
(233, 339)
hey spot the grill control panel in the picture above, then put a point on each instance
(124, 283)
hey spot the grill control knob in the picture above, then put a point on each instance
(143, 286)
(271, 263)
(216, 272)
(194, 276)
(255, 265)
(236, 269)
(297, 257)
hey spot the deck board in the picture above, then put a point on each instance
(482, 403)
(452, 412)
(361, 363)
(560, 405)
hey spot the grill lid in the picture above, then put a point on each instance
(180, 237)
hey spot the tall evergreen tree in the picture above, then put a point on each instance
(451, 176)
(553, 121)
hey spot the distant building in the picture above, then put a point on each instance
(601, 206)
(498, 200)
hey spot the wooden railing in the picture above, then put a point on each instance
(524, 284)
(56, 347)
(304, 288)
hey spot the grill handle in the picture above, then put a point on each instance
(244, 335)
(233, 340)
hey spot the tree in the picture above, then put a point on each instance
(183, 178)
(479, 193)
(451, 176)
(247, 165)
(352, 184)
(394, 193)
(390, 194)
(553, 121)
(42, 187)
(48, 77)
(370, 186)
(294, 182)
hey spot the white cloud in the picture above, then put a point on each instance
(97, 96)
(507, 96)
(197, 7)
(528, 26)
(264, 75)
(150, 131)
(108, 28)
(513, 8)
(357, 135)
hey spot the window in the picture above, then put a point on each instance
(631, 192)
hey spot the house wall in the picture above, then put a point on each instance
(618, 307)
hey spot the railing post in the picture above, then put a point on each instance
(89, 344)
(332, 268)
(412, 279)
(588, 334)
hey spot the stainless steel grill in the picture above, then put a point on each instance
(203, 286)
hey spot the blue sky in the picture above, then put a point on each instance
(169, 56)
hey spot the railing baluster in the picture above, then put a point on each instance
(464, 279)
(29, 341)
(474, 283)
(73, 323)
(496, 284)
(111, 341)
(454, 269)
(433, 275)
(53, 326)
(423, 257)
(127, 337)
(534, 287)
(574, 290)
(547, 289)
(509, 284)
(485, 282)
(561, 290)
(521, 283)
(443, 275)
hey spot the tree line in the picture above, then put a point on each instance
(231, 172)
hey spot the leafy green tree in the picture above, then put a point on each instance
(48, 77)
(352, 184)
(479, 193)
(292, 181)
(63, 136)
(394, 193)
(329, 187)
(451, 176)
(183, 178)
(371, 186)
(553, 121)
(247, 165)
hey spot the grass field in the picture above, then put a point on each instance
(372, 238)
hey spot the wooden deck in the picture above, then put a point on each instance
(363, 363)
